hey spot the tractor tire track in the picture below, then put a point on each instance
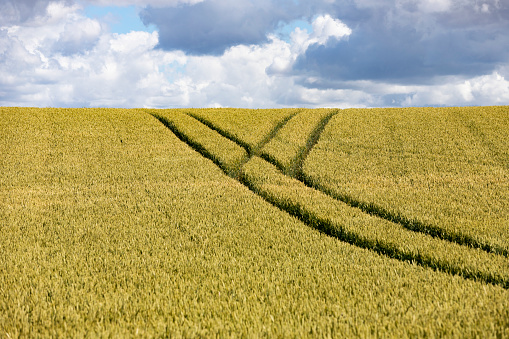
(296, 171)
(323, 224)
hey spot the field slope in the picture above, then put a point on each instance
(439, 171)
(170, 223)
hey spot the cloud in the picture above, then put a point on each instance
(126, 70)
(398, 41)
(66, 59)
(350, 53)
(61, 29)
(212, 26)
(324, 29)
(77, 36)
(492, 89)
(141, 3)
(14, 12)
(119, 71)
(413, 42)
(434, 6)
(241, 77)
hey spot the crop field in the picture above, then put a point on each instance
(254, 223)
(439, 171)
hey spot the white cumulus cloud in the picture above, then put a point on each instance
(324, 28)
(492, 89)
(60, 57)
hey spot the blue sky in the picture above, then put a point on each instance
(247, 53)
(120, 19)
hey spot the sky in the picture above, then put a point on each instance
(254, 53)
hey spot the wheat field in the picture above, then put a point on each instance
(254, 223)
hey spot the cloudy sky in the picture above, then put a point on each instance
(254, 53)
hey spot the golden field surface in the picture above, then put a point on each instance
(237, 222)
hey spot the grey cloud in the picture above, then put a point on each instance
(407, 46)
(392, 40)
(211, 26)
(14, 12)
